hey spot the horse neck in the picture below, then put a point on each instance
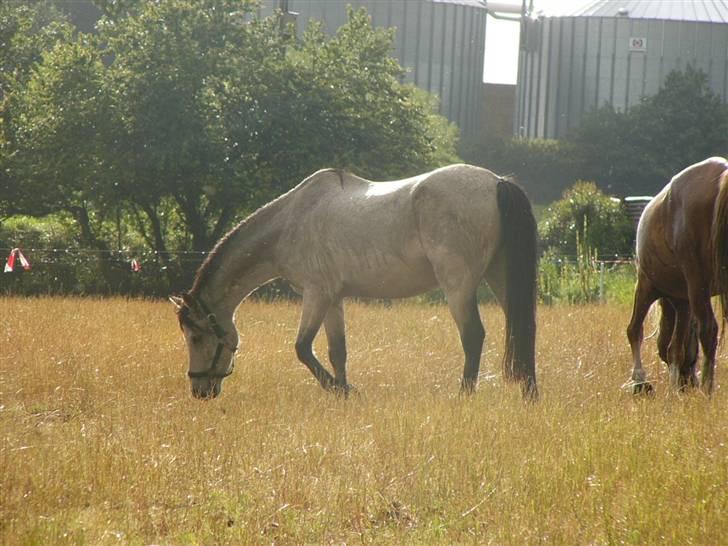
(245, 262)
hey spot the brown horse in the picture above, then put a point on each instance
(682, 260)
(337, 235)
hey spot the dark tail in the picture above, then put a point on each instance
(719, 236)
(519, 240)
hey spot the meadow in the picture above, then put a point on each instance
(102, 443)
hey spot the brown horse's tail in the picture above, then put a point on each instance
(720, 246)
(518, 240)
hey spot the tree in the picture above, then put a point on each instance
(184, 115)
(638, 151)
(216, 115)
(56, 121)
(26, 32)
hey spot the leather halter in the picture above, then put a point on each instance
(220, 334)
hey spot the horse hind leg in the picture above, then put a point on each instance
(472, 335)
(644, 296)
(459, 287)
(707, 332)
(682, 352)
(702, 313)
(336, 335)
(666, 330)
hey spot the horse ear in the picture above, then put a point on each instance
(178, 302)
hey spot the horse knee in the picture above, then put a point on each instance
(634, 333)
(304, 349)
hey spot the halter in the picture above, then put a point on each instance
(220, 334)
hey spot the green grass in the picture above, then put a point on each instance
(101, 442)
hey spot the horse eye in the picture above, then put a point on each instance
(196, 339)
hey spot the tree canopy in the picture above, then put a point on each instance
(180, 117)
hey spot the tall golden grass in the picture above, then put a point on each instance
(101, 442)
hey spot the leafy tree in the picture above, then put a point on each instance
(217, 116)
(27, 30)
(183, 115)
(56, 121)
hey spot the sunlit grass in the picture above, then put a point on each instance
(101, 442)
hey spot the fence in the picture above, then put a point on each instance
(59, 271)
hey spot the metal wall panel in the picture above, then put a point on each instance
(572, 65)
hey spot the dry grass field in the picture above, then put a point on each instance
(101, 442)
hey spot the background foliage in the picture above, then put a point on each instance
(180, 117)
(153, 136)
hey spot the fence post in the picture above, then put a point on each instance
(601, 282)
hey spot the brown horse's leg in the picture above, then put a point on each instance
(681, 356)
(667, 329)
(336, 336)
(644, 295)
(315, 307)
(707, 331)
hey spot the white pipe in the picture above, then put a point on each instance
(503, 7)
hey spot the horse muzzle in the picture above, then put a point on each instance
(206, 389)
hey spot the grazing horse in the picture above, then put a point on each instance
(682, 260)
(337, 235)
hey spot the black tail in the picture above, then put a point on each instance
(519, 240)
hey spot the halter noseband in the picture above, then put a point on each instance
(220, 334)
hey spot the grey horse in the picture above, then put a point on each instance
(336, 235)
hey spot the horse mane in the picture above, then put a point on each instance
(212, 261)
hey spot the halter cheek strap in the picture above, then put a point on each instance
(220, 334)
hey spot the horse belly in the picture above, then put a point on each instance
(388, 277)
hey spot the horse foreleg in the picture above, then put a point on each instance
(336, 336)
(315, 307)
(644, 297)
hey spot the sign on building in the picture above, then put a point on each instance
(637, 44)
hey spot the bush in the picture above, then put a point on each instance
(61, 266)
(586, 216)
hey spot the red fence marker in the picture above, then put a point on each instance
(10, 264)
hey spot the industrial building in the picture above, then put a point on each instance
(613, 52)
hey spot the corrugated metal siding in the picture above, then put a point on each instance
(706, 11)
(572, 65)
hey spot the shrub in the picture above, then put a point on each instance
(587, 215)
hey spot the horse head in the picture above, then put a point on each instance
(210, 345)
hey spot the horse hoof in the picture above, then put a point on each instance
(467, 389)
(344, 391)
(529, 391)
(643, 388)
